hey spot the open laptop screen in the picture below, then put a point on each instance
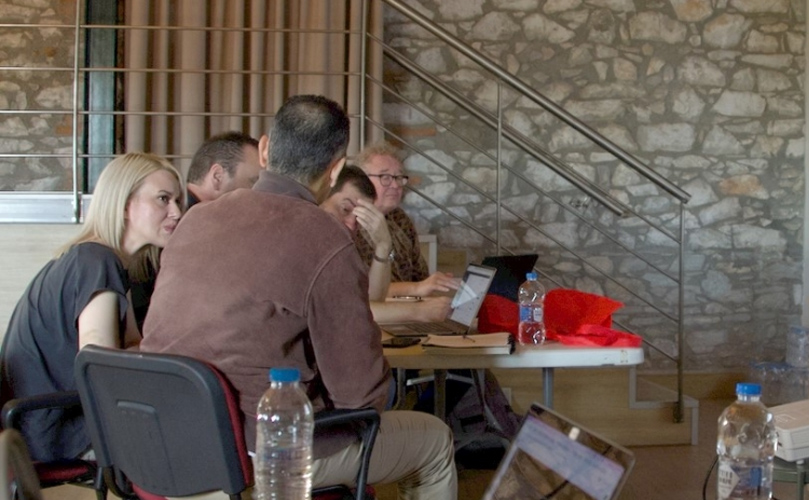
(470, 294)
(554, 458)
(511, 270)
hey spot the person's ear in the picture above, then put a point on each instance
(321, 186)
(217, 174)
(334, 173)
(264, 151)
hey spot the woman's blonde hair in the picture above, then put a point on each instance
(106, 218)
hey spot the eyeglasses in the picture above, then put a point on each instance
(385, 179)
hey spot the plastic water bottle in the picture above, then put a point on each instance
(285, 423)
(746, 445)
(532, 325)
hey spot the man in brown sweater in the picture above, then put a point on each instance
(263, 277)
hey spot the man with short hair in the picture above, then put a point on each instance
(265, 278)
(351, 201)
(409, 274)
(223, 163)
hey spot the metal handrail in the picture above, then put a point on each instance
(551, 162)
(535, 227)
(541, 100)
(520, 176)
(227, 29)
(558, 166)
(494, 122)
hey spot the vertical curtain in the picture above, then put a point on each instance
(195, 69)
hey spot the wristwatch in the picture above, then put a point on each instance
(385, 260)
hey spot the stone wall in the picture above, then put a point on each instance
(709, 93)
(44, 140)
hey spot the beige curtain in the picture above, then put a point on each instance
(200, 68)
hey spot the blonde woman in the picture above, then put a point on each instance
(82, 296)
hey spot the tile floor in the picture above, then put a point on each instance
(661, 472)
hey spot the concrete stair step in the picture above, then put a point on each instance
(600, 399)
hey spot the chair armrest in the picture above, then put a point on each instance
(14, 409)
(367, 416)
(328, 418)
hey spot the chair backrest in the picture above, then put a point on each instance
(18, 480)
(171, 424)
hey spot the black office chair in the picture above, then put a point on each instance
(59, 472)
(368, 420)
(18, 479)
(170, 424)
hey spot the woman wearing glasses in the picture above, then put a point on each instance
(409, 275)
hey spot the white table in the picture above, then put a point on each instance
(547, 356)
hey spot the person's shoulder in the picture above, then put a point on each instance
(398, 213)
(86, 257)
(399, 217)
(91, 250)
(296, 213)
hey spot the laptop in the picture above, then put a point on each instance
(465, 306)
(511, 271)
(553, 457)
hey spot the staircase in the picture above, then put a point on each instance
(517, 188)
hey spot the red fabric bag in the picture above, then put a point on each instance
(571, 318)
(498, 314)
(579, 318)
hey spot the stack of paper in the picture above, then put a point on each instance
(482, 343)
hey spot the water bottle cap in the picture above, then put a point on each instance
(284, 375)
(748, 389)
(531, 276)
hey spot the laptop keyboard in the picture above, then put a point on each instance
(434, 327)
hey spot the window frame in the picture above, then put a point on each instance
(95, 108)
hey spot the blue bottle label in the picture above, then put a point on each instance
(525, 313)
(736, 481)
(529, 313)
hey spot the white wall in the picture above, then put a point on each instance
(24, 249)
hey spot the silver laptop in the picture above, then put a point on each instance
(553, 457)
(465, 306)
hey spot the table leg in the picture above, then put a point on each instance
(440, 394)
(547, 386)
(800, 478)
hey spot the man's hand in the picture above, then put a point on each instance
(373, 221)
(437, 282)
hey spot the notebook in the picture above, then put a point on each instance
(511, 270)
(553, 457)
(465, 305)
(486, 343)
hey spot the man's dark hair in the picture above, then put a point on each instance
(355, 176)
(310, 132)
(226, 149)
